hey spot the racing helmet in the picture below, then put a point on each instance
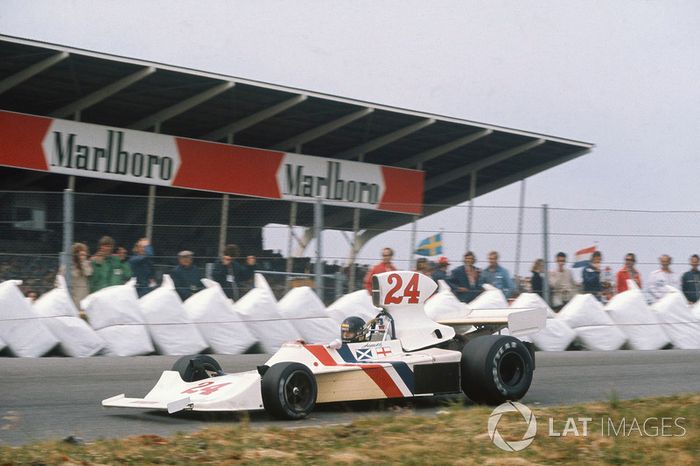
(351, 330)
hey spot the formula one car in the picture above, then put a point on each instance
(407, 355)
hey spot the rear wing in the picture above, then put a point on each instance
(518, 321)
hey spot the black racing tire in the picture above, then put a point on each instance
(289, 390)
(496, 368)
(197, 367)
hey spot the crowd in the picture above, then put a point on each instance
(466, 281)
(110, 266)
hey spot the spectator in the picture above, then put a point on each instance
(31, 295)
(384, 266)
(497, 276)
(561, 282)
(691, 280)
(423, 266)
(107, 270)
(231, 274)
(591, 277)
(186, 276)
(125, 265)
(464, 280)
(628, 272)
(81, 271)
(142, 267)
(440, 272)
(536, 282)
(660, 278)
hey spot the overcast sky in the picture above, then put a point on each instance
(624, 75)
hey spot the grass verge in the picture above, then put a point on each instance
(649, 431)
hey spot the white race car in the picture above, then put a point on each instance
(407, 355)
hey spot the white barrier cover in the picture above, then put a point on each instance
(679, 323)
(308, 314)
(629, 310)
(445, 305)
(528, 300)
(28, 336)
(172, 330)
(114, 305)
(594, 328)
(358, 304)
(77, 338)
(116, 315)
(259, 309)
(217, 321)
(126, 340)
(490, 298)
(556, 336)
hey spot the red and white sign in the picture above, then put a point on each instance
(83, 149)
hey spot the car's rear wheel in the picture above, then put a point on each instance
(197, 367)
(496, 368)
(289, 390)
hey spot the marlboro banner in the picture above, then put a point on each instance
(95, 151)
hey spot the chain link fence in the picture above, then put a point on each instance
(282, 237)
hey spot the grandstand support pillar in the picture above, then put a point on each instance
(150, 211)
(68, 214)
(545, 251)
(290, 241)
(223, 228)
(354, 248)
(318, 229)
(519, 237)
(470, 213)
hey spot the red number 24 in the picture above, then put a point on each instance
(411, 291)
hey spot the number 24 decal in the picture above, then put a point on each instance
(411, 291)
(206, 388)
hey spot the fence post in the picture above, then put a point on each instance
(353, 253)
(545, 249)
(519, 237)
(470, 214)
(338, 285)
(318, 228)
(150, 211)
(290, 238)
(66, 256)
(223, 226)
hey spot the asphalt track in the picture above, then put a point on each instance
(57, 397)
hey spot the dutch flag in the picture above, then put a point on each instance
(583, 257)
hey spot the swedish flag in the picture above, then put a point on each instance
(430, 246)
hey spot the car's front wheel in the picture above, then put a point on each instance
(197, 367)
(289, 390)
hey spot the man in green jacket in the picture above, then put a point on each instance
(107, 270)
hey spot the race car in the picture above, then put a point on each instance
(406, 354)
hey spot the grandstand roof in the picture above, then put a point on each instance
(64, 82)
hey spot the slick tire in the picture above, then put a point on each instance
(197, 367)
(496, 368)
(289, 390)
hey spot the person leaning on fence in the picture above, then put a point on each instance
(80, 273)
(423, 266)
(662, 277)
(464, 280)
(497, 276)
(591, 277)
(107, 270)
(142, 267)
(536, 280)
(384, 266)
(628, 272)
(691, 280)
(234, 276)
(562, 284)
(186, 276)
(440, 270)
(123, 256)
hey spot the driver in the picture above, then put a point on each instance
(352, 330)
